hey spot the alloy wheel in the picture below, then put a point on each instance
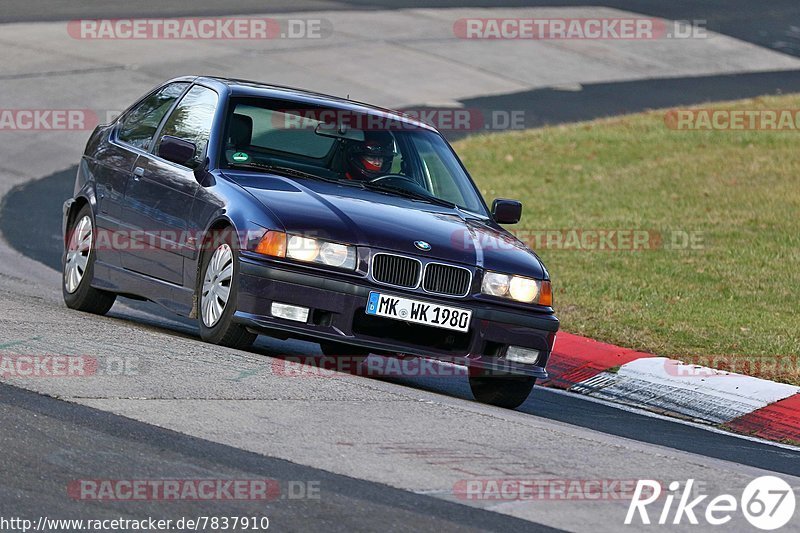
(217, 285)
(80, 245)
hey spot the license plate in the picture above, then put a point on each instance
(430, 314)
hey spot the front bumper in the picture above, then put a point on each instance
(337, 314)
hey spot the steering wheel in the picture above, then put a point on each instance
(399, 181)
(398, 177)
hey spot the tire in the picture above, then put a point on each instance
(78, 267)
(219, 275)
(507, 391)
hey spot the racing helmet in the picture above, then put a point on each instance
(370, 158)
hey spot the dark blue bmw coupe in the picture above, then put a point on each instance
(268, 210)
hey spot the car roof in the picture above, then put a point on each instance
(246, 88)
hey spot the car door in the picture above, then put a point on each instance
(112, 163)
(159, 196)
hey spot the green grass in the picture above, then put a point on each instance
(736, 299)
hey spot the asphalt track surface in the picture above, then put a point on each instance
(54, 442)
(770, 24)
(47, 442)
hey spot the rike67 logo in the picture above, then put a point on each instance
(767, 502)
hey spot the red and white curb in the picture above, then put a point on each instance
(744, 404)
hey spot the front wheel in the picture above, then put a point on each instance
(218, 287)
(504, 391)
(79, 256)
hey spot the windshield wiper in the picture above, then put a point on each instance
(292, 172)
(410, 194)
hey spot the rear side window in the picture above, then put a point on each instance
(192, 119)
(140, 124)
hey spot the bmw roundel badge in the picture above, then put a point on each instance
(422, 245)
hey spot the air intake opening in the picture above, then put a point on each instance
(396, 270)
(446, 279)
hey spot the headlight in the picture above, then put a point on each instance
(523, 289)
(308, 250)
(334, 254)
(302, 248)
(495, 284)
(517, 288)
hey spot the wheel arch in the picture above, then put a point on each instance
(78, 203)
(219, 223)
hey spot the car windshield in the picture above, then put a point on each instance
(368, 150)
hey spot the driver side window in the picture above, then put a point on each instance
(139, 126)
(192, 119)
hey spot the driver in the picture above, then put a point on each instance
(371, 158)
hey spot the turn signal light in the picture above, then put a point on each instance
(272, 243)
(546, 294)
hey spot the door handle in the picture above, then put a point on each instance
(138, 172)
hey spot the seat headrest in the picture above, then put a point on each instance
(241, 130)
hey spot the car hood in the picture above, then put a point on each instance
(348, 214)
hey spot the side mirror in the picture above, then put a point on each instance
(177, 150)
(202, 175)
(506, 211)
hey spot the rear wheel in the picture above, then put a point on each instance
(503, 391)
(219, 287)
(79, 256)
